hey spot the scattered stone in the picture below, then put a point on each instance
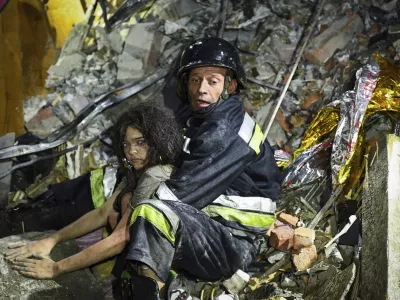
(276, 256)
(304, 258)
(282, 238)
(303, 237)
(288, 219)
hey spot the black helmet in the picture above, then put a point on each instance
(212, 52)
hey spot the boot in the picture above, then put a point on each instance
(144, 288)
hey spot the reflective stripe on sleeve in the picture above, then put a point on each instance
(250, 219)
(251, 133)
(246, 129)
(157, 218)
(96, 187)
(168, 212)
(253, 204)
(256, 139)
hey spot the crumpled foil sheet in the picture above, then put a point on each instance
(353, 106)
(309, 166)
(385, 98)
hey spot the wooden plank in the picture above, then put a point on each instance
(3, 100)
(12, 71)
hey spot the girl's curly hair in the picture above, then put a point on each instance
(159, 128)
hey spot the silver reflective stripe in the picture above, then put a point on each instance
(168, 213)
(164, 193)
(255, 204)
(186, 145)
(247, 128)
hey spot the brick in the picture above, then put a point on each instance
(282, 238)
(303, 237)
(304, 258)
(288, 219)
(337, 36)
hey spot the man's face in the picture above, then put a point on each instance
(206, 85)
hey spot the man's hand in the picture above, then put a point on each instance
(41, 268)
(25, 250)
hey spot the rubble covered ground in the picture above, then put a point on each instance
(338, 104)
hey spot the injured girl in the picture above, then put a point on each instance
(149, 142)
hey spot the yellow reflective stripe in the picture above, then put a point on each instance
(155, 217)
(245, 218)
(96, 187)
(256, 140)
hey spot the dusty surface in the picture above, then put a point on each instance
(76, 285)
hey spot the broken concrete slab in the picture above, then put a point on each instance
(77, 285)
(113, 40)
(337, 287)
(380, 223)
(75, 39)
(337, 36)
(5, 141)
(139, 40)
(63, 68)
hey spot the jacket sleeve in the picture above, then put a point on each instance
(218, 155)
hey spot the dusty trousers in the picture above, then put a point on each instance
(170, 233)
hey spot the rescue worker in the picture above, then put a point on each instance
(214, 210)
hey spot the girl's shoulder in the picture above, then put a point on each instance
(159, 171)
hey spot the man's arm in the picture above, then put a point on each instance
(217, 157)
(87, 223)
(109, 247)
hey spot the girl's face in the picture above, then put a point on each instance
(135, 148)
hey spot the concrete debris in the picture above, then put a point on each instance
(78, 285)
(268, 34)
(288, 219)
(337, 36)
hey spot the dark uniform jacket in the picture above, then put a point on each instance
(224, 154)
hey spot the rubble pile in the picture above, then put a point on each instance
(340, 102)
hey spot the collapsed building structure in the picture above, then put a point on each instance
(323, 84)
